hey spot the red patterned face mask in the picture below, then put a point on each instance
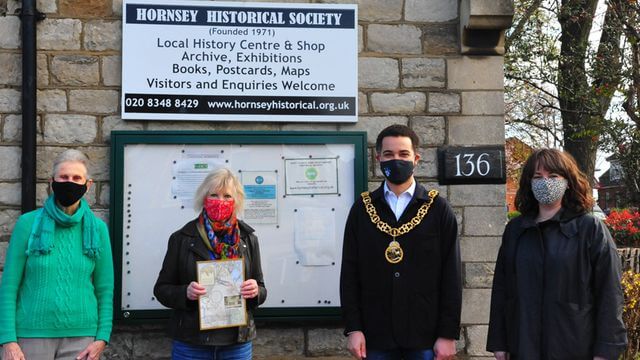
(218, 209)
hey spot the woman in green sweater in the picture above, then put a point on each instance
(56, 293)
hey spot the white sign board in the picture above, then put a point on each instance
(201, 60)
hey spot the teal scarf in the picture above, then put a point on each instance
(50, 216)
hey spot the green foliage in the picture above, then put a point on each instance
(513, 214)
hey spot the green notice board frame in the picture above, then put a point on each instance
(144, 152)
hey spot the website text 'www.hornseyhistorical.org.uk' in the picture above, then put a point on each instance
(249, 105)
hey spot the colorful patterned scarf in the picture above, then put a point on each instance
(224, 237)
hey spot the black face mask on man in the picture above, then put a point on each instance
(397, 171)
(68, 193)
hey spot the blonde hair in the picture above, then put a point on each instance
(220, 179)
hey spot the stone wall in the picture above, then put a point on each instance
(410, 71)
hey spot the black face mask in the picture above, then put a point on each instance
(68, 193)
(397, 171)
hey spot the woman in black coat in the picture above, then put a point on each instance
(556, 289)
(217, 235)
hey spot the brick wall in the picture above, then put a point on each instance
(410, 72)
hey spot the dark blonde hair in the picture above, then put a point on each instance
(578, 195)
(220, 179)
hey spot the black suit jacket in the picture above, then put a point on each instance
(412, 303)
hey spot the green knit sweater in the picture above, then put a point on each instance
(61, 294)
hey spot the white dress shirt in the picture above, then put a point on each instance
(399, 203)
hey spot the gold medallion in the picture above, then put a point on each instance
(393, 253)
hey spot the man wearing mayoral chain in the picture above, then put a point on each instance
(400, 284)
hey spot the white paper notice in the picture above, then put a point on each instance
(314, 236)
(311, 176)
(188, 175)
(260, 202)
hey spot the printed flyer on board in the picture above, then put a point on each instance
(201, 60)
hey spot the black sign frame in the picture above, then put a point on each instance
(471, 165)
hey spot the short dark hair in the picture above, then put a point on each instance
(578, 196)
(397, 130)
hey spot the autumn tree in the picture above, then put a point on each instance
(574, 77)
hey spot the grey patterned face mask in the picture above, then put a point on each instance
(548, 191)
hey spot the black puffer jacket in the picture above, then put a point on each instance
(556, 290)
(179, 269)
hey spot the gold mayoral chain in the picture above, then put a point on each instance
(394, 252)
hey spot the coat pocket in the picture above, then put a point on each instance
(571, 330)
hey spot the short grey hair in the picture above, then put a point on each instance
(71, 155)
(220, 179)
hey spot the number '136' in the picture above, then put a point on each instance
(480, 165)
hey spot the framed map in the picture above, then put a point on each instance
(222, 306)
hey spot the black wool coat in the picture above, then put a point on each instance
(410, 304)
(179, 270)
(556, 290)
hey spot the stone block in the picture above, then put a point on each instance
(485, 221)
(85, 8)
(70, 129)
(10, 193)
(59, 34)
(380, 73)
(394, 39)
(10, 69)
(111, 70)
(477, 340)
(475, 73)
(43, 70)
(42, 192)
(238, 125)
(11, 34)
(12, 129)
(111, 123)
(428, 164)
(8, 218)
(91, 195)
(116, 7)
(76, 70)
(423, 72)
(475, 306)
(105, 194)
(430, 129)
(151, 345)
(326, 342)
(379, 10)
(373, 125)
(10, 101)
(52, 100)
(440, 39)
(94, 101)
(476, 130)
(363, 105)
(10, 165)
(465, 195)
(480, 248)
(431, 10)
(444, 103)
(360, 39)
(478, 275)
(279, 342)
(103, 35)
(46, 6)
(98, 161)
(3, 253)
(483, 103)
(398, 103)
